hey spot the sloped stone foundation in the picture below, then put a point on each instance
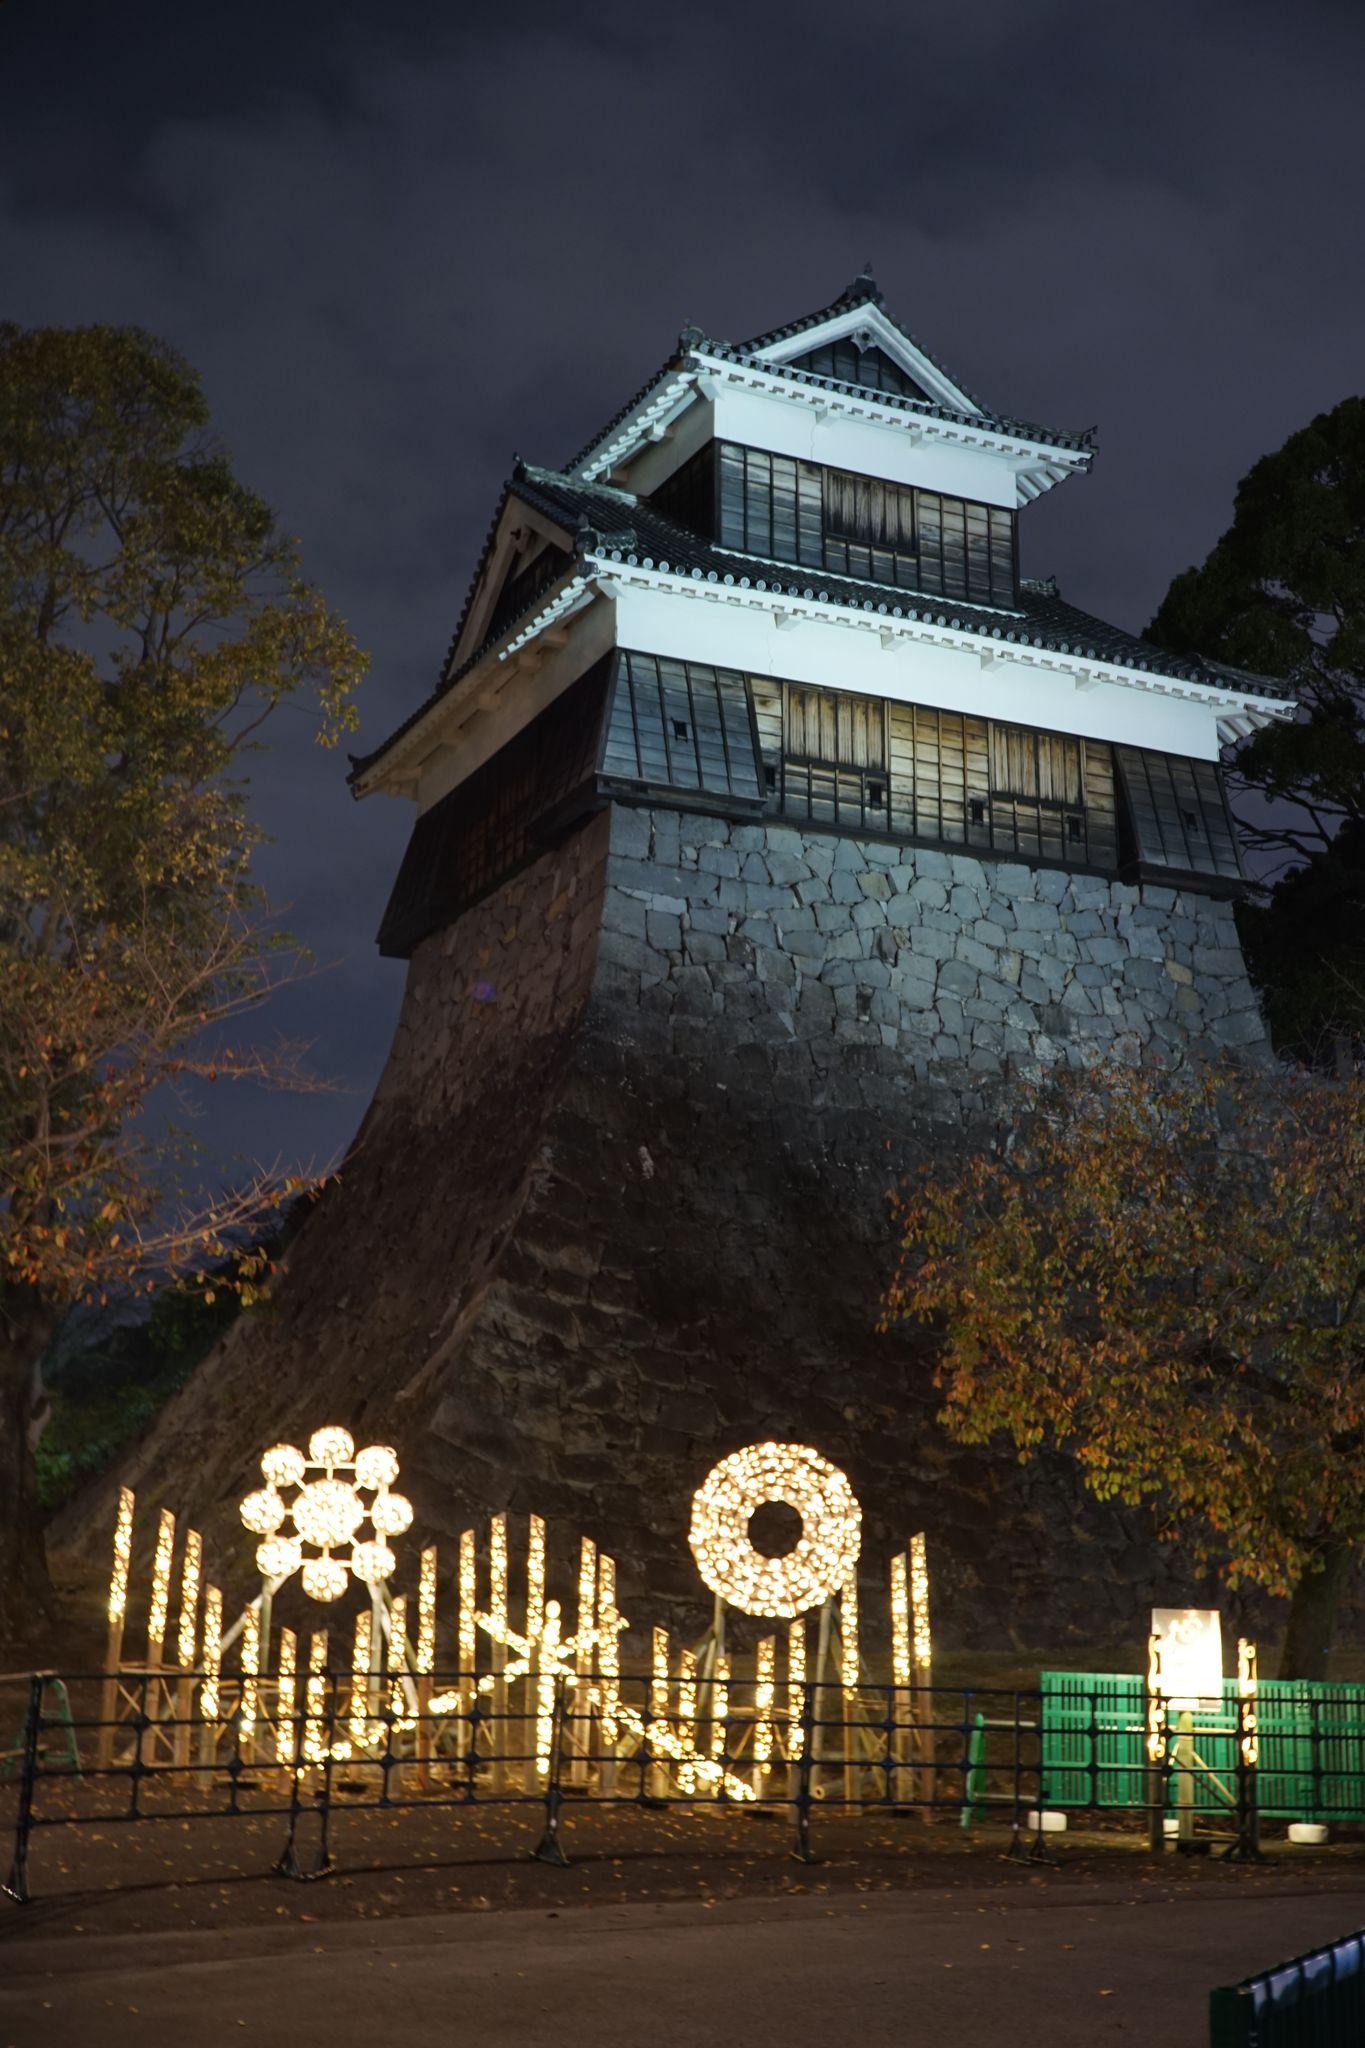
(619, 1205)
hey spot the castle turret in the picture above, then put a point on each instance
(767, 819)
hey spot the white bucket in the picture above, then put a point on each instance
(1310, 1832)
(1045, 1822)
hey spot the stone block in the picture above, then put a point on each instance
(1037, 917)
(867, 914)
(784, 869)
(707, 948)
(982, 958)
(621, 913)
(958, 978)
(664, 931)
(875, 883)
(931, 944)
(843, 886)
(987, 933)
(630, 833)
(1012, 879)
(718, 860)
(929, 892)
(932, 867)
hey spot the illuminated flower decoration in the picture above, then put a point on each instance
(327, 1544)
(824, 1554)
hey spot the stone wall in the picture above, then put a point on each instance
(953, 964)
(619, 1207)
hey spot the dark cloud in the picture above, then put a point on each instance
(399, 249)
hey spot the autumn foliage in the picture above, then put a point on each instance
(1162, 1273)
(152, 618)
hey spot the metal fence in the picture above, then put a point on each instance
(145, 1746)
(1315, 2001)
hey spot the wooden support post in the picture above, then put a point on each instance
(426, 1664)
(498, 1614)
(922, 1653)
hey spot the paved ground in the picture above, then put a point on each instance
(908, 1969)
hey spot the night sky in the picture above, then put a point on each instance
(400, 248)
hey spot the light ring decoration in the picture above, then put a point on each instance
(825, 1552)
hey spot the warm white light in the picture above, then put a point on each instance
(1191, 1640)
(848, 1635)
(360, 1680)
(467, 1640)
(286, 1692)
(323, 1578)
(279, 1557)
(315, 1699)
(900, 1621)
(213, 1653)
(251, 1668)
(548, 1674)
(426, 1613)
(123, 1551)
(263, 1511)
(687, 1719)
(658, 1670)
(922, 1641)
(372, 1563)
(1249, 1740)
(535, 1577)
(497, 1570)
(328, 1512)
(391, 1513)
(190, 1571)
(720, 1704)
(331, 1446)
(1156, 1706)
(376, 1466)
(284, 1465)
(161, 1582)
(824, 1554)
(796, 1684)
(609, 1627)
(765, 1667)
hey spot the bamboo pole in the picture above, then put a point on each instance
(117, 1611)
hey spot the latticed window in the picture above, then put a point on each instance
(851, 525)
(871, 367)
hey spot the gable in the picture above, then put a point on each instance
(862, 328)
(525, 553)
(856, 359)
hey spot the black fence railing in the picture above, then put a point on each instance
(186, 1746)
(1314, 2001)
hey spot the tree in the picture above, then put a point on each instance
(152, 617)
(1163, 1273)
(1283, 593)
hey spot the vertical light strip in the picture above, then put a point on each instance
(796, 1682)
(191, 1571)
(426, 1612)
(848, 1634)
(658, 1681)
(123, 1551)
(212, 1658)
(535, 1578)
(1247, 1683)
(545, 1688)
(765, 1668)
(720, 1704)
(900, 1620)
(608, 1649)
(286, 1696)
(315, 1699)
(687, 1718)
(251, 1670)
(586, 1630)
(921, 1639)
(397, 1652)
(161, 1586)
(466, 1641)
(1156, 1705)
(360, 1680)
(497, 1574)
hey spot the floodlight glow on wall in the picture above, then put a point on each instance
(328, 1513)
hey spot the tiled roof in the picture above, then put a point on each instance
(614, 525)
(862, 292)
